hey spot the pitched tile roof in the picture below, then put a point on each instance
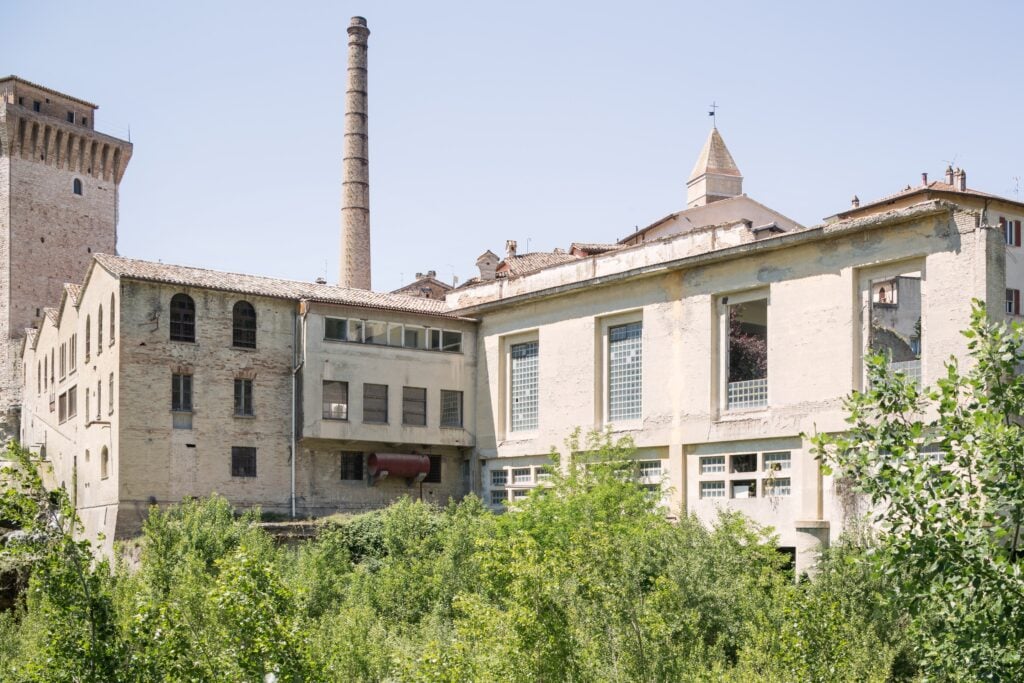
(593, 247)
(74, 292)
(536, 260)
(188, 276)
(51, 314)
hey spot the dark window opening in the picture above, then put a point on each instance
(351, 466)
(744, 463)
(181, 393)
(71, 117)
(37, 105)
(76, 186)
(183, 318)
(243, 397)
(243, 461)
(434, 475)
(335, 400)
(243, 317)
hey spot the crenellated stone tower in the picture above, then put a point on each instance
(355, 185)
(59, 181)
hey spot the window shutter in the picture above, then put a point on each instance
(1016, 233)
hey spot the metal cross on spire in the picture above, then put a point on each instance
(714, 119)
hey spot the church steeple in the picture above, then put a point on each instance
(715, 175)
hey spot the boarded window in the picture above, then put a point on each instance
(375, 403)
(243, 461)
(335, 400)
(414, 406)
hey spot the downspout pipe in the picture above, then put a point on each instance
(298, 358)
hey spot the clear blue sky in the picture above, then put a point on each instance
(544, 122)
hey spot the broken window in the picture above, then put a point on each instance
(895, 322)
(747, 462)
(744, 488)
(335, 400)
(336, 329)
(376, 332)
(747, 354)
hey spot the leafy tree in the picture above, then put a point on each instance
(944, 470)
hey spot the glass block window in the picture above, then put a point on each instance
(522, 475)
(712, 489)
(714, 464)
(243, 461)
(451, 408)
(524, 398)
(624, 372)
(414, 406)
(498, 497)
(777, 486)
(499, 478)
(774, 462)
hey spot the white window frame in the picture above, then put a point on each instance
(605, 326)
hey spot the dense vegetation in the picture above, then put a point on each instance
(586, 580)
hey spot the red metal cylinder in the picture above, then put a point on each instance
(404, 465)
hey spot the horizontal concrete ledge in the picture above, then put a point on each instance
(812, 524)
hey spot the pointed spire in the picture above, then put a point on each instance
(715, 175)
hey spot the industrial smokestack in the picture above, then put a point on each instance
(355, 184)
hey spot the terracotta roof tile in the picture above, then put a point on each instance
(74, 292)
(188, 276)
(528, 263)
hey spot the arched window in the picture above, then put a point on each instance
(99, 331)
(243, 318)
(104, 463)
(111, 319)
(76, 186)
(183, 318)
(88, 333)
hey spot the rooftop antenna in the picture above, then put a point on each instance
(714, 119)
(1016, 185)
(527, 245)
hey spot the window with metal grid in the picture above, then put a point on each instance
(335, 400)
(243, 325)
(499, 478)
(414, 406)
(625, 376)
(375, 403)
(498, 497)
(434, 475)
(524, 389)
(183, 319)
(351, 466)
(243, 461)
(451, 408)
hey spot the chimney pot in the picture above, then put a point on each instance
(431, 273)
(924, 178)
(855, 202)
(949, 175)
(960, 182)
(321, 281)
(419, 275)
(510, 248)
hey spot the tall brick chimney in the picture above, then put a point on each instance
(355, 183)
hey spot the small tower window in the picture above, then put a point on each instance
(76, 186)
(243, 325)
(71, 117)
(183, 318)
(37, 105)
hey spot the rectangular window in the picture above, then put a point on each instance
(745, 488)
(243, 397)
(451, 408)
(434, 475)
(499, 478)
(1011, 231)
(747, 462)
(37, 105)
(243, 461)
(522, 475)
(523, 388)
(73, 353)
(110, 395)
(543, 474)
(625, 376)
(894, 327)
(99, 399)
(747, 383)
(71, 117)
(498, 497)
(1013, 301)
(451, 341)
(776, 462)
(62, 408)
(335, 400)
(414, 406)
(650, 468)
(415, 337)
(777, 486)
(63, 360)
(375, 403)
(72, 402)
(351, 466)
(181, 393)
(714, 464)
(336, 329)
(375, 332)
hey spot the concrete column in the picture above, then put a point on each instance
(355, 185)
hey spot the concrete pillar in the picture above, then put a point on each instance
(355, 184)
